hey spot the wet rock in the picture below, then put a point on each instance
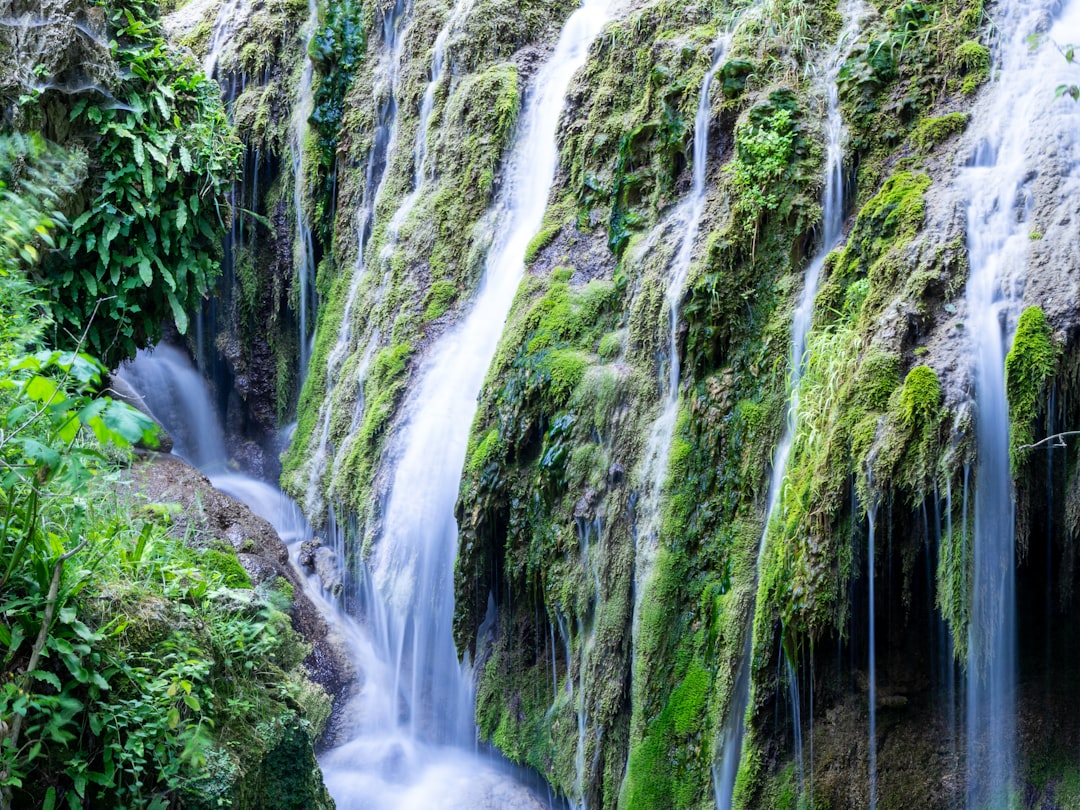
(306, 558)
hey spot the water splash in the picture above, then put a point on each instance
(833, 206)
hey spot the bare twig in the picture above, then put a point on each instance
(1055, 440)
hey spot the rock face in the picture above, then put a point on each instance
(207, 515)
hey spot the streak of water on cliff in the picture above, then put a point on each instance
(231, 15)
(833, 206)
(687, 220)
(304, 248)
(386, 88)
(998, 185)
(421, 171)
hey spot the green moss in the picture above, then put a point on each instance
(483, 453)
(565, 368)
(225, 563)
(920, 398)
(542, 239)
(610, 345)
(972, 60)
(932, 131)
(1029, 368)
(439, 298)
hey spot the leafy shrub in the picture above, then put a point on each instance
(146, 247)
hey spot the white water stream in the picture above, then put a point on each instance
(304, 248)
(1020, 125)
(687, 219)
(231, 15)
(833, 205)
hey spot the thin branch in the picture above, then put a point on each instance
(1058, 440)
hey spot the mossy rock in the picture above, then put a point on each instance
(1030, 367)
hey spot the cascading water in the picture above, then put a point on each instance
(398, 775)
(231, 15)
(687, 220)
(731, 736)
(998, 184)
(416, 705)
(304, 260)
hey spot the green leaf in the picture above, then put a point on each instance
(81, 220)
(146, 272)
(126, 424)
(40, 454)
(47, 677)
(180, 316)
(40, 389)
(181, 215)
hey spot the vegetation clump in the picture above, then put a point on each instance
(165, 157)
(1030, 367)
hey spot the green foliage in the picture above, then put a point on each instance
(144, 249)
(34, 178)
(336, 50)
(1030, 367)
(764, 154)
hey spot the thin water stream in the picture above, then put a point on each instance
(385, 89)
(833, 209)
(304, 249)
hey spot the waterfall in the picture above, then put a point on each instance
(416, 704)
(390, 774)
(833, 205)
(999, 190)
(304, 258)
